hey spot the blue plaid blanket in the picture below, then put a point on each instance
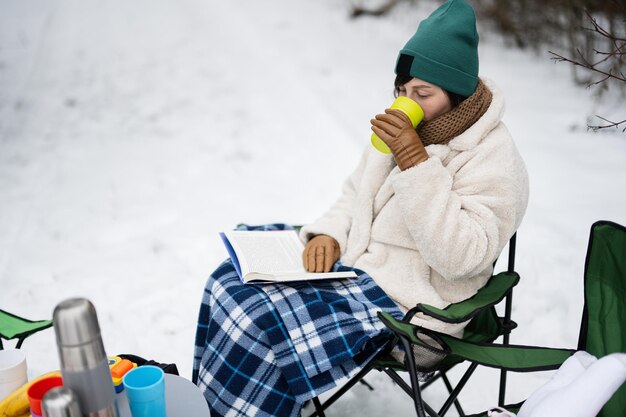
(266, 349)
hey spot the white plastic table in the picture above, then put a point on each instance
(182, 399)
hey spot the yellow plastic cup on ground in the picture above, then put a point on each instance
(406, 106)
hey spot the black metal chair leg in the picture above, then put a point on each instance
(417, 395)
(19, 342)
(408, 390)
(457, 390)
(318, 407)
(505, 342)
(457, 405)
(502, 392)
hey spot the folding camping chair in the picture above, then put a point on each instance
(602, 328)
(16, 327)
(601, 332)
(485, 327)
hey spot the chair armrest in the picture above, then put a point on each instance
(516, 358)
(491, 294)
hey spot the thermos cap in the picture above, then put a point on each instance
(61, 402)
(75, 322)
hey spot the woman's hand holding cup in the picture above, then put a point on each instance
(394, 132)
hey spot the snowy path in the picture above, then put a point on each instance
(132, 132)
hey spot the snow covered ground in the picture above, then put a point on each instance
(131, 133)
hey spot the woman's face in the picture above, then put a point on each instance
(432, 99)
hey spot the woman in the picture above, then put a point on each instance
(428, 221)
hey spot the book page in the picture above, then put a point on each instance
(268, 252)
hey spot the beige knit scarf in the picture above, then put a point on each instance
(446, 127)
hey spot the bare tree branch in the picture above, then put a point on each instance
(610, 124)
(609, 65)
(590, 67)
(600, 30)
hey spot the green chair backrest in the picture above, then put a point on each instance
(484, 328)
(603, 327)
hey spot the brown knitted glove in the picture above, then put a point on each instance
(396, 130)
(320, 253)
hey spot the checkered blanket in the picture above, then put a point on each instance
(265, 349)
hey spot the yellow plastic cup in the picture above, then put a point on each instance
(406, 106)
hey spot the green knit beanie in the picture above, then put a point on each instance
(444, 50)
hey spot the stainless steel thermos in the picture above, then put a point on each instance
(84, 363)
(60, 402)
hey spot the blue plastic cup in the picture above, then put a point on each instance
(145, 390)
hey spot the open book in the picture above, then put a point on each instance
(271, 256)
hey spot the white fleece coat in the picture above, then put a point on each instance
(431, 233)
